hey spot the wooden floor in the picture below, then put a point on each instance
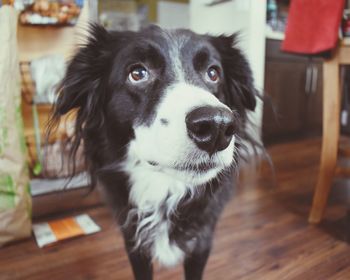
(263, 234)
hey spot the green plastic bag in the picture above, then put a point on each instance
(15, 198)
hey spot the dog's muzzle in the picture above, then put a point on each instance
(211, 128)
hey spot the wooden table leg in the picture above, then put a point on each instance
(330, 138)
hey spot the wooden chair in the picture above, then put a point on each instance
(331, 131)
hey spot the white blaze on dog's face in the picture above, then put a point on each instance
(165, 143)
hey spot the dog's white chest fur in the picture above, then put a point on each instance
(155, 195)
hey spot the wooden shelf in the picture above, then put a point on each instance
(37, 41)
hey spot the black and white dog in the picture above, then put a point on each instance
(162, 117)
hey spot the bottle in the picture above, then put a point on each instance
(271, 16)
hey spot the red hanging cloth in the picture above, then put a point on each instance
(313, 26)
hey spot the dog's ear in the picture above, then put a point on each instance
(84, 72)
(240, 90)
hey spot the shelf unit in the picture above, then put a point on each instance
(35, 42)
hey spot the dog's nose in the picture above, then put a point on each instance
(211, 128)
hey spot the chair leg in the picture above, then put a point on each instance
(330, 138)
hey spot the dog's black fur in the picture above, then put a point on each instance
(107, 108)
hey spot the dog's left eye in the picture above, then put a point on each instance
(213, 74)
(138, 74)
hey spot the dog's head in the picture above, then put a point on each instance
(175, 99)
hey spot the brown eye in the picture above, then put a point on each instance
(138, 74)
(213, 74)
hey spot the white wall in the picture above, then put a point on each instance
(173, 15)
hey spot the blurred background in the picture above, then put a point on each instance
(272, 205)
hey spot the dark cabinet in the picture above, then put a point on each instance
(293, 91)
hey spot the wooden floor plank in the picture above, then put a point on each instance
(263, 234)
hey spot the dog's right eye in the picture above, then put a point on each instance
(213, 74)
(138, 74)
